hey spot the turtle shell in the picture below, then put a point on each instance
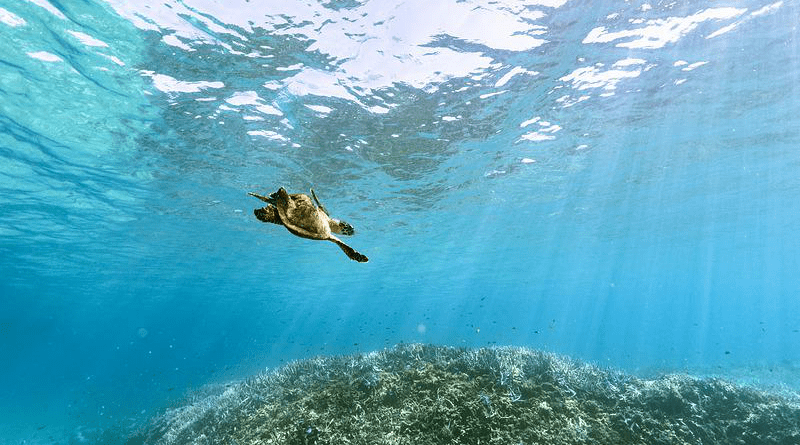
(299, 214)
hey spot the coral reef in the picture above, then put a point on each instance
(422, 394)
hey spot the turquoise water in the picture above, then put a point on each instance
(616, 182)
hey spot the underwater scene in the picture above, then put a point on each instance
(399, 222)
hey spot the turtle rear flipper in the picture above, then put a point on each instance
(268, 214)
(268, 199)
(349, 251)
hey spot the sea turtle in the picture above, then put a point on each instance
(301, 217)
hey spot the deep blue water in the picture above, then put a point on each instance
(617, 182)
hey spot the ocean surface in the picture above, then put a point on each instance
(617, 182)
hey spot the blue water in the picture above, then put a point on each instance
(617, 182)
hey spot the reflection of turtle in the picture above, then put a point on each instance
(301, 217)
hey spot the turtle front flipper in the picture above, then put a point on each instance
(319, 204)
(268, 214)
(349, 251)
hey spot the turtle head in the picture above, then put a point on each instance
(340, 227)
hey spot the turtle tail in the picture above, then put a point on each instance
(349, 251)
